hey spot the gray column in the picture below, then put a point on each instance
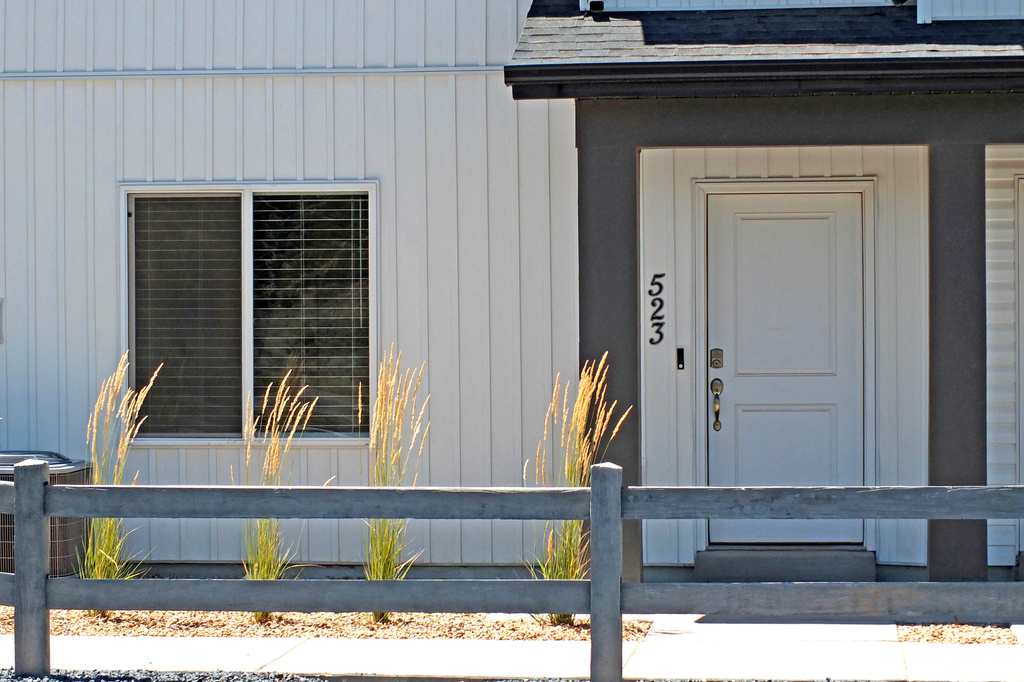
(957, 550)
(609, 304)
(31, 566)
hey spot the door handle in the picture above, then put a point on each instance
(716, 390)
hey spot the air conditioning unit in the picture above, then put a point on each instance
(67, 536)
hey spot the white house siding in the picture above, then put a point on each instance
(1004, 166)
(901, 328)
(476, 238)
(945, 10)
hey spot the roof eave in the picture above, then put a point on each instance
(754, 78)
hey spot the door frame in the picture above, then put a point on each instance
(702, 188)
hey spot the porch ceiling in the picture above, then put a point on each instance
(564, 52)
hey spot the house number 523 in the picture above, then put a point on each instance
(657, 309)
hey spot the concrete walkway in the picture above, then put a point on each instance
(677, 647)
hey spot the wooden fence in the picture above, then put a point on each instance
(31, 499)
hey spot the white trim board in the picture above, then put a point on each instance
(245, 190)
(893, 182)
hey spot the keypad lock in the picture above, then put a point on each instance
(717, 358)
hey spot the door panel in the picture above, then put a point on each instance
(785, 306)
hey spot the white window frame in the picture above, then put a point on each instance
(245, 191)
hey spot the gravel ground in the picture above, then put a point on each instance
(957, 634)
(342, 625)
(150, 676)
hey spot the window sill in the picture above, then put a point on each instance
(309, 442)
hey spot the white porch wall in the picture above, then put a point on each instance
(1003, 165)
(901, 328)
(476, 240)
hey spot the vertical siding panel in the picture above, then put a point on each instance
(501, 31)
(315, 127)
(134, 143)
(229, 463)
(74, 37)
(322, 533)
(225, 133)
(314, 34)
(564, 244)
(506, 445)
(165, 33)
(439, 31)
(16, 45)
(166, 533)
(352, 470)
(166, 138)
(378, 33)
(17, 306)
(909, 172)
(77, 311)
(813, 162)
(45, 40)
(409, 16)
(784, 162)
(752, 162)
(5, 288)
(254, 34)
(535, 295)
(474, 335)
(411, 233)
(254, 129)
(470, 32)
(285, 33)
(285, 129)
(197, 32)
(196, 532)
(347, 33)
(193, 144)
(660, 465)
(135, 31)
(721, 163)
(139, 539)
(347, 128)
(687, 164)
(227, 33)
(46, 269)
(443, 302)
(847, 161)
(104, 35)
(107, 222)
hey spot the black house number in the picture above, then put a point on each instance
(658, 309)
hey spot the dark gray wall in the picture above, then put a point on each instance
(609, 135)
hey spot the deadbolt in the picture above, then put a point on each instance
(717, 358)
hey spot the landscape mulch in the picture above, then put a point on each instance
(340, 625)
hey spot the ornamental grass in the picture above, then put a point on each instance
(397, 434)
(583, 438)
(272, 432)
(112, 427)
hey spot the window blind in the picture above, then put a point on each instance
(187, 314)
(311, 301)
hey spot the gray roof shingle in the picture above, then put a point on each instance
(557, 32)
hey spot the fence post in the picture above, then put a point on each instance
(31, 566)
(605, 573)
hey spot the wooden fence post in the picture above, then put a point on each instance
(31, 566)
(605, 573)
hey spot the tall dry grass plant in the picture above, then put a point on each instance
(112, 427)
(271, 433)
(397, 434)
(582, 430)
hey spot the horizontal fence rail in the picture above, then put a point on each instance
(238, 502)
(605, 505)
(314, 596)
(924, 502)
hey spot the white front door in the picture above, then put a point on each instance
(786, 309)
